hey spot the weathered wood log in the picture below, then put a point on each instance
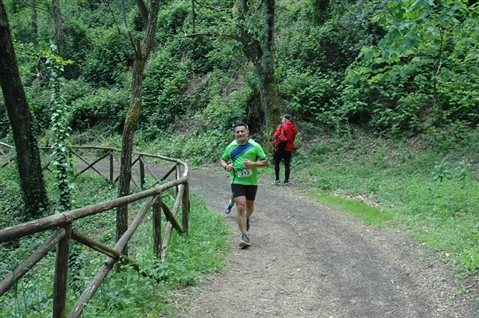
(168, 173)
(61, 273)
(77, 236)
(185, 207)
(157, 226)
(85, 240)
(92, 288)
(49, 222)
(170, 216)
(91, 165)
(31, 261)
(170, 225)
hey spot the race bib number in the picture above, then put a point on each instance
(245, 173)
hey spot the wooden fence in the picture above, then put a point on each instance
(65, 230)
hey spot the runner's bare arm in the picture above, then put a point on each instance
(225, 165)
(260, 163)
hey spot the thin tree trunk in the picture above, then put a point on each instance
(271, 102)
(129, 129)
(57, 16)
(34, 18)
(261, 54)
(142, 52)
(28, 154)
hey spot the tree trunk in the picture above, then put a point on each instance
(141, 56)
(270, 101)
(34, 18)
(129, 128)
(57, 16)
(261, 54)
(28, 154)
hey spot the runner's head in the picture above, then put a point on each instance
(241, 133)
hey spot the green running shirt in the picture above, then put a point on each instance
(236, 154)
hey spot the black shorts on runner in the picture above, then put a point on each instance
(249, 191)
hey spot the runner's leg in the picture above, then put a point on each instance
(241, 213)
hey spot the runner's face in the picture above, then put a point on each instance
(241, 134)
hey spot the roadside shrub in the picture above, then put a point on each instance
(76, 46)
(165, 81)
(107, 63)
(106, 107)
(307, 94)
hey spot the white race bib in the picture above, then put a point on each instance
(245, 173)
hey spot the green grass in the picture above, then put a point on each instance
(127, 293)
(429, 188)
(433, 194)
(377, 216)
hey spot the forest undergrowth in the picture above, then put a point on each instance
(426, 187)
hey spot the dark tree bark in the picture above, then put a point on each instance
(28, 154)
(142, 51)
(261, 54)
(57, 16)
(34, 18)
(143, 11)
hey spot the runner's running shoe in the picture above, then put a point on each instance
(275, 181)
(228, 207)
(245, 242)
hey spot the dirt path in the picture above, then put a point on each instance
(308, 261)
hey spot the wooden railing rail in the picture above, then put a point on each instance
(64, 223)
(109, 154)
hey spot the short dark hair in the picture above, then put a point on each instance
(241, 124)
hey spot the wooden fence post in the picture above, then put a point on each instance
(157, 226)
(111, 167)
(61, 272)
(185, 207)
(142, 172)
(178, 175)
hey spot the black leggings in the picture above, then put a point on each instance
(278, 156)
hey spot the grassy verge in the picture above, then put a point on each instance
(428, 186)
(124, 294)
(434, 194)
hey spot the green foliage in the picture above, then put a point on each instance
(126, 293)
(417, 66)
(5, 127)
(419, 69)
(107, 63)
(197, 145)
(311, 94)
(165, 79)
(172, 18)
(62, 161)
(76, 46)
(429, 188)
(97, 107)
(10, 196)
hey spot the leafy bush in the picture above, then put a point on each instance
(125, 293)
(105, 107)
(76, 46)
(309, 95)
(107, 63)
(420, 73)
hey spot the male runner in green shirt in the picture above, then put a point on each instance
(242, 158)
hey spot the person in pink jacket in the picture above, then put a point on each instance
(283, 152)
